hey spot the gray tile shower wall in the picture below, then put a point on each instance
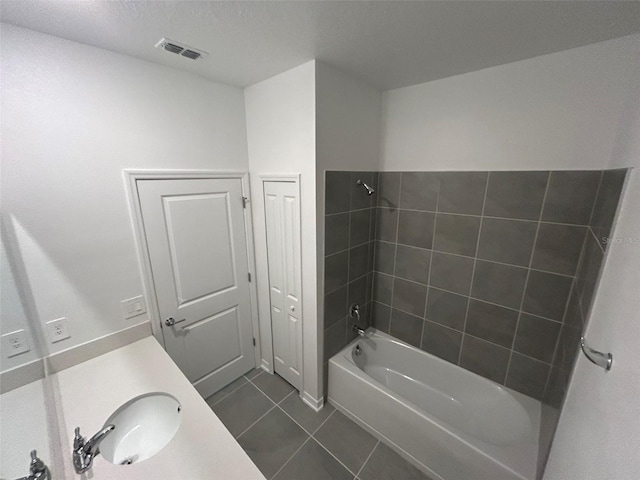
(349, 249)
(594, 245)
(492, 271)
(478, 267)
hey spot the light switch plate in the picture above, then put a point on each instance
(132, 307)
(58, 329)
(14, 343)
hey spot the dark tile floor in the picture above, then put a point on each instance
(287, 440)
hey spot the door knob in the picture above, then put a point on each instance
(170, 322)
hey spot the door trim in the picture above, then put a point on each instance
(267, 336)
(131, 177)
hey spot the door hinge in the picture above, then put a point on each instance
(254, 342)
(245, 200)
(249, 276)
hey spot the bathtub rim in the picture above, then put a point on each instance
(343, 361)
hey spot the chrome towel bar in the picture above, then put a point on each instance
(604, 360)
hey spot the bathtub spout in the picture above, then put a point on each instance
(360, 331)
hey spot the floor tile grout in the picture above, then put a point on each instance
(335, 458)
(291, 457)
(300, 425)
(230, 393)
(310, 435)
(287, 396)
(368, 458)
(265, 394)
(328, 451)
(261, 417)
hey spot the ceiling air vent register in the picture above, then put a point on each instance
(181, 49)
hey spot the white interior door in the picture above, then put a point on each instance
(196, 240)
(282, 212)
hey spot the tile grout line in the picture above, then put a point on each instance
(287, 396)
(312, 436)
(331, 453)
(367, 459)
(264, 393)
(261, 417)
(291, 457)
(574, 287)
(595, 198)
(433, 244)
(395, 252)
(602, 249)
(300, 425)
(472, 298)
(442, 252)
(526, 280)
(346, 324)
(513, 265)
(268, 411)
(333, 214)
(583, 253)
(491, 217)
(374, 215)
(483, 340)
(345, 285)
(229, 393)
(473, 270)
(309, 436)
(574, 284)
(557, 345)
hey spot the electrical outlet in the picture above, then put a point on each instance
(14, 343)
(58, 330)
(132, 307)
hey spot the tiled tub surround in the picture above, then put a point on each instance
(477, 267)
(349, 233)
(579, 305)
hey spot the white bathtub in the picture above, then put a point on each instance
(449, 422)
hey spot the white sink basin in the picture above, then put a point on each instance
(144, 425)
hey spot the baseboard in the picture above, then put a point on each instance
(21, 375)
(266, 366)
(315, 403)
(94, 348)
(56, 362)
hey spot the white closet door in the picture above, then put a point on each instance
(282, 212)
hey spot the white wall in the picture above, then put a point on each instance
(598, 436)
(13, 313)
(560, 111)
(307, 120)
(348, 114)
(74, 117)
(281, 139)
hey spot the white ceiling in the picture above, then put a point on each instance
(388, 44)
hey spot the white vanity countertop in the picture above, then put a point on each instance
(89, 392)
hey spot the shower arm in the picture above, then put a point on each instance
(370, 191)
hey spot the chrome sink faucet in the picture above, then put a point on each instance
(84, 451)
(37, 469)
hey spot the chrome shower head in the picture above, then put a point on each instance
(370, 191)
